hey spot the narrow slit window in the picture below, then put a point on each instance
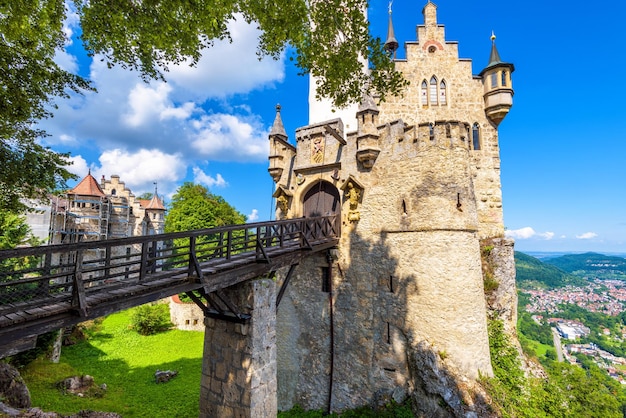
(476, 137)
(431, 132)
(433, 91)
(504, 77)
(326, 279)
(388, 333)
(391, 284)
(442, 93)
(403, 207)
(424, 93)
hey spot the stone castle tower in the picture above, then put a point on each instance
(417, 186)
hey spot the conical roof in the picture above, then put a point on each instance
(278, 128)
(88, 186)
(494, 56)
(391, 44)
(155, 203)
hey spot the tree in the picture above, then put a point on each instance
(14, 231)
(194, 207)
(328, 38)
(30, 34)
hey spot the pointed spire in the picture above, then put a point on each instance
(278, 128)
(494, 57)
(391, 44)
(367, 104)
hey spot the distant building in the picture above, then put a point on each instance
(92, 211)
(571, 331)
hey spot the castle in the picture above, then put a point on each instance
(417, 185)
(92, 211)
(96, 211)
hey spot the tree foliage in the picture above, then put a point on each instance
(329, 39)
(193, 207)
(533, 273)
(151, 318)
(30, 34)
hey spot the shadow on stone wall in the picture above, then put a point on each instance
(374, 356)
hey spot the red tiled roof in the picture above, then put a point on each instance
(88, 186)
(154, 203)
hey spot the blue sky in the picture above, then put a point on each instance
(562, 145)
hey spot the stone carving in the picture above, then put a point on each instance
(353, 196)
(317, 150)
(283, 203)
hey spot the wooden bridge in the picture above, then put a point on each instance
(50, 287)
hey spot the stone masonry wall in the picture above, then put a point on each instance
(416, 199)
(239, 365)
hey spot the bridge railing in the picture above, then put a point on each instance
(68, 272)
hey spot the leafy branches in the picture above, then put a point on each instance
(330, 38)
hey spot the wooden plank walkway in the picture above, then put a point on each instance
(50, 287)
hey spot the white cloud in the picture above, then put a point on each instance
(150, 103)
(227, 137)
(253, 216)
(128, 114)
(201, 177)
(528, 232)
(79, 166)
(587, 235)
(139, 170)
(522, 233)
(228, 68)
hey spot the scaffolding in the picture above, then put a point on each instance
(76, 218)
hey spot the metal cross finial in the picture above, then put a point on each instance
(390, 3)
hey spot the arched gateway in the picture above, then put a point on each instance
(322, 199)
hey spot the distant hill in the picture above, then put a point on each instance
(532, 273)
(591, 265)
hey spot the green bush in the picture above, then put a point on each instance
(151, 319)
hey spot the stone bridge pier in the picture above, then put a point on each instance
(239, 365)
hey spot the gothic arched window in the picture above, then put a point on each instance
(424, 93)
(476, 137)
(433, 91)
(442, 93)
(504, 76)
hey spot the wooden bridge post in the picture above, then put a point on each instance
(239, 366)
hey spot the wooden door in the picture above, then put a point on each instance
(321, 200)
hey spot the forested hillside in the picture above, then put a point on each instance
(591, 265)
(535, 274)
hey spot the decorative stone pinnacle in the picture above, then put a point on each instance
(278, 128)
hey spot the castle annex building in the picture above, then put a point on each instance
(417, 186)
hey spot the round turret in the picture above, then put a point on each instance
(498, 86)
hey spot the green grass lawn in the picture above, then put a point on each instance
(126, 362)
